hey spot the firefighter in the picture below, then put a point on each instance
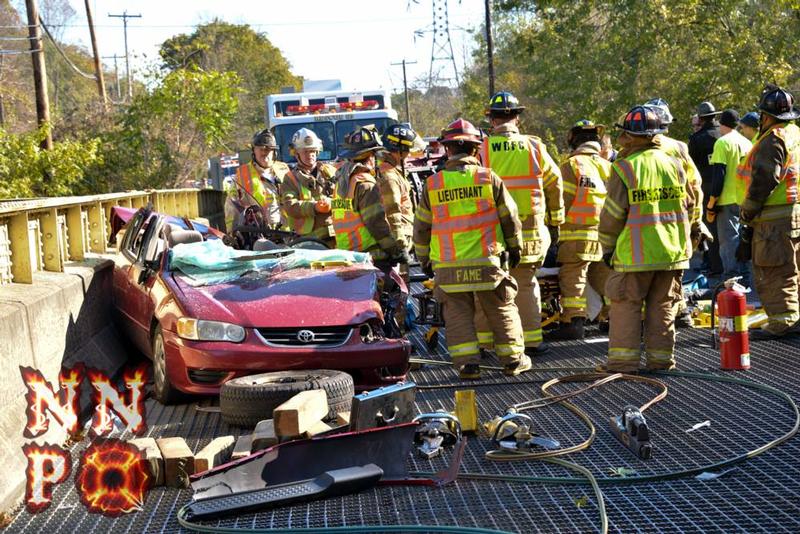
(584, 174)
(257, 183)
(534, 182)
(772, 213)
(307, 189)
(358, 217)
(647, 234)
(680, 151)
(465, 219)
(398, 141)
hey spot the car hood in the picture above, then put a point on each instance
(294, 298)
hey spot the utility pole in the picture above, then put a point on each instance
(125, 18)
(39, 72)
(98, 69)
(2, 106)
(405, 86)
(489, 45)
(115, 57)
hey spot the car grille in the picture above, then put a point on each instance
(328, 336)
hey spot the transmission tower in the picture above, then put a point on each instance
(442, 50)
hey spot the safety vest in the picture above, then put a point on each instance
(656, 233)
(245, 180)
(301, 225)
(351, 232)
(591, 174)
(465, 226)
(514, 159)
(785, 194)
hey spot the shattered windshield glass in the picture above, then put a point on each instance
(212, 262)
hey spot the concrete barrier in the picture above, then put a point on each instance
(58, 320)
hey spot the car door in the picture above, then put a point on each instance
(142, 275)
(126, 256)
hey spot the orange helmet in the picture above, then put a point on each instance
(461, 131)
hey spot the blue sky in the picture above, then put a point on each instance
(352, 40)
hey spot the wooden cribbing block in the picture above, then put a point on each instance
(178, 461)
(264, 435)
(342, 418)
(242, 447)
(318, 428)
(152, 457)
(215, 453)
(300, 413)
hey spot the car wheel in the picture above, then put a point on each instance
(162, 389)
(246, 400)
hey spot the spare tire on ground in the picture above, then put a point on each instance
(246, 400)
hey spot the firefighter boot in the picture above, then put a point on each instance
(518, 367)
(573, 330)
(470, 371)
(542, 348)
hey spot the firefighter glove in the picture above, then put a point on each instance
(428, 270)
(554, 233)
(514, 257)
(323, 205)
(744, 251)
(607, 259)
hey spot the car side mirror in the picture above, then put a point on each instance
(150, 267)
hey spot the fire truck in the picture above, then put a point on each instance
(331, 114)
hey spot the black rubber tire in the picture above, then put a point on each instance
(246, 400)
(163, 391)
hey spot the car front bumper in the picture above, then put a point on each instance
(201, 367)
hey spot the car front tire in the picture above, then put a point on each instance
(163, 391)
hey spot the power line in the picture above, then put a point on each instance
(63, 54)
(125, 18)
(16, 52)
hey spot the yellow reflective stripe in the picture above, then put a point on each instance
(368, 212)
(614, 209)
(485, 337)
(573, 302)
(550, 178)
(463, 349)
(464, 288)
(423, 214)
(579, 235)
(785, 318)
(421, 248)
(740, 323)
(508, 349)
(607, 240)
(570, 187)
(476, 262)
(556, 215)
(532, 336)
(623, 354)
(659, 355)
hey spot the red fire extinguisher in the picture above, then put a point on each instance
(734, 344)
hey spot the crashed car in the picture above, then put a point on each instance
(276, 310)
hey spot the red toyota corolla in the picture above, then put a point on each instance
(200, 335)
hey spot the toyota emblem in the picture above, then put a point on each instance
(305, 336)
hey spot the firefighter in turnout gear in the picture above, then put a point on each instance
(645, 231)
(465, 219)
(771, 211)
(358, 217)
(398, 140)
(584, 175)
(680, 151)
(307, 189)
(256, 183)
(534, 182)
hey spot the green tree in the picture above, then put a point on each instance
(28, 171)
(165, 136)
(431, 110)
(569, 59)
(226, 47)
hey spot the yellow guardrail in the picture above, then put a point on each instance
(41, 234)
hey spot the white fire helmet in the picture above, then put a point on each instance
(306, 138)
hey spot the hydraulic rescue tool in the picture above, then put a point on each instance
(513, 432)
(435, 431)
(631, 429)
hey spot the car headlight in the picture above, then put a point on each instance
(199, 330)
